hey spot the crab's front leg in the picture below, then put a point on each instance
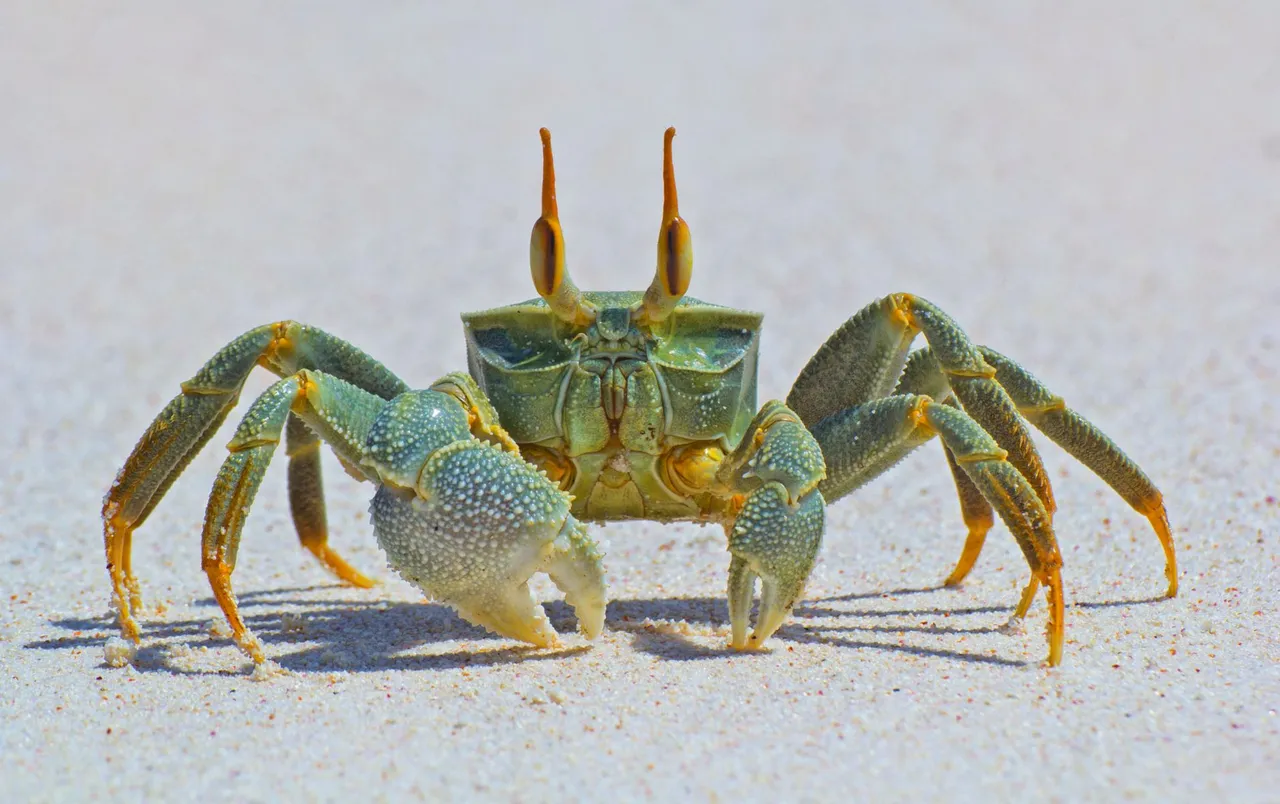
(191, 418)
(776, 533)
(463, 517)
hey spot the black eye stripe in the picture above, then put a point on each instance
(549, 262)
(547, 280)
(673, 262)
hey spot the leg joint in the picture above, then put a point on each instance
(1055, 404)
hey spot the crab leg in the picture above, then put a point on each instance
(863, 442)
(190, 419)
(306, 501)
(1069, 430)
(339, 412)
(974, 384)
(1089, 445)
(865, 356)
(861, 361)
(974, 509)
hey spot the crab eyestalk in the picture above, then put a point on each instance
(675, 249)
(546, 252)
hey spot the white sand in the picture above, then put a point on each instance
(1095, 192)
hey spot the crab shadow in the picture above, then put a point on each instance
(828, 621)
(311, 633)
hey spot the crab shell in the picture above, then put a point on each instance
(600, 407)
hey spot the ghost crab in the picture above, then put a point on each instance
(593, 406)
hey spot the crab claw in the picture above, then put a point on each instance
(777, 542)
(480, 522)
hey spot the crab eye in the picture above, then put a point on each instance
(546, 252)
(675, 249)
(675, 258)
(546, 257)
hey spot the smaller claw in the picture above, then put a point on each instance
(742, 589)
(777, 542)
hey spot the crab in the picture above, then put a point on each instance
(594, 406)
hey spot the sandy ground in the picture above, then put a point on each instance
(1095, 192)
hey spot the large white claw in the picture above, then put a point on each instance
(480, 523)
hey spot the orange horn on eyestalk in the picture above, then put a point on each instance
(675, 248)
(546, 251)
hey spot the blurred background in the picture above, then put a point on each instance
(1070, 183)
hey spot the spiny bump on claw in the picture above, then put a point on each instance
(546, 250)
(675, 247)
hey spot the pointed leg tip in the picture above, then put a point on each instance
(1055, 646)
(362, 581)
(249, 643)
(1056, 627)
(1027, 599)
(337, 565)
(130, 631)
(267, 670)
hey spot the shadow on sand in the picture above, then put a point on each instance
(364, 636)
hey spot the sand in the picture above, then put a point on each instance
(1094, 191)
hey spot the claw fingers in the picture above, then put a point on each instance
(742, 588)
(574, 566)
(776, 602)
(510, 612)
(777, 542)
(576, 569)
(480, 523)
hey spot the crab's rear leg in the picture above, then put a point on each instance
(339, 412)
(306, 501)
(190, 419)
(861, 443)
(1069, 430)
(1089, 445)
(864, 358)
(974, 510)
